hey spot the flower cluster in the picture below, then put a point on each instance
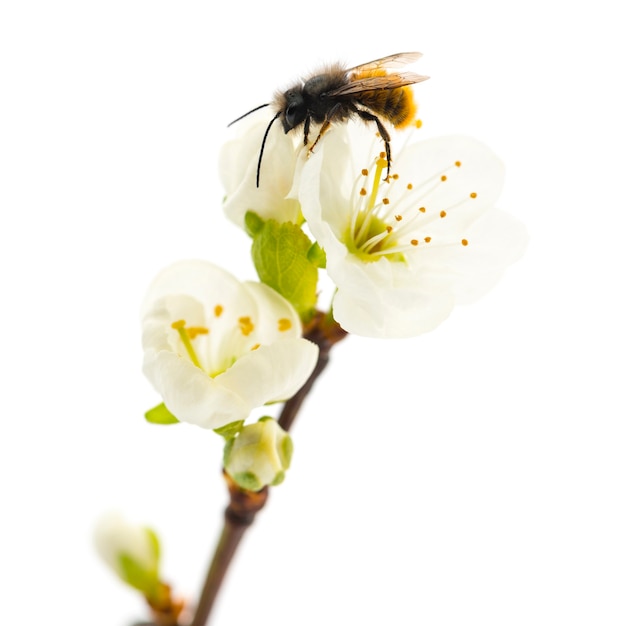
(402, 241)
(402, 246)
(401, 249)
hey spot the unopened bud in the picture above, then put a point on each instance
(258, 455)
(132, 552)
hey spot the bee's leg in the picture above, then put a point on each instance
(322, 130)
(307, 128)
(324, 127)
(369, 117)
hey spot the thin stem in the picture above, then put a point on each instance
(244, 505)
(325, 333)
(239, 515)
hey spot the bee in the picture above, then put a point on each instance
(373, 91)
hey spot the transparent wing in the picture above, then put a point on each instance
(375, 83)
(394, 61)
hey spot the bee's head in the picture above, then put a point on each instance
(295, 110)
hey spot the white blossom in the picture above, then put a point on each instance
(403, 251)
(238, 170)
(216, 348)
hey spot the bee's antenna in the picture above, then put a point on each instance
(261, 106)
(263, 143)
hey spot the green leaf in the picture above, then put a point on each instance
(161, 415)
(280, 254)
(317, 256)
(229, 430)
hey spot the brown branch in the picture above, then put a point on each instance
(239, 515)
(244, 505)
(325, 333)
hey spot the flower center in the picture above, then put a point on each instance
(186, 336)
(228, 340)
(369, 236)
(381, 228)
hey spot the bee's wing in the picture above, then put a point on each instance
(394, 61)
(375, 83)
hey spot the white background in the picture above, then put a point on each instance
(463, 477)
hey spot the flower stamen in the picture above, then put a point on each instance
(380, 165)
(185, 338)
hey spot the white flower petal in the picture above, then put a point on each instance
(197, 279)
(403, 253)
(272, 373)
(238, 170)
(277, 318)
(190, 394)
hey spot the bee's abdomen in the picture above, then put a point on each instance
(395, 105)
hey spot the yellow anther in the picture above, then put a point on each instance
(218, 310)
(246, 325)
(193, 331)
(284, 324)
(464, 242)
(473, 194)
(442, 214)
(444, 178)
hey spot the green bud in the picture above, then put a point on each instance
(259, 455)
(132, 552)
